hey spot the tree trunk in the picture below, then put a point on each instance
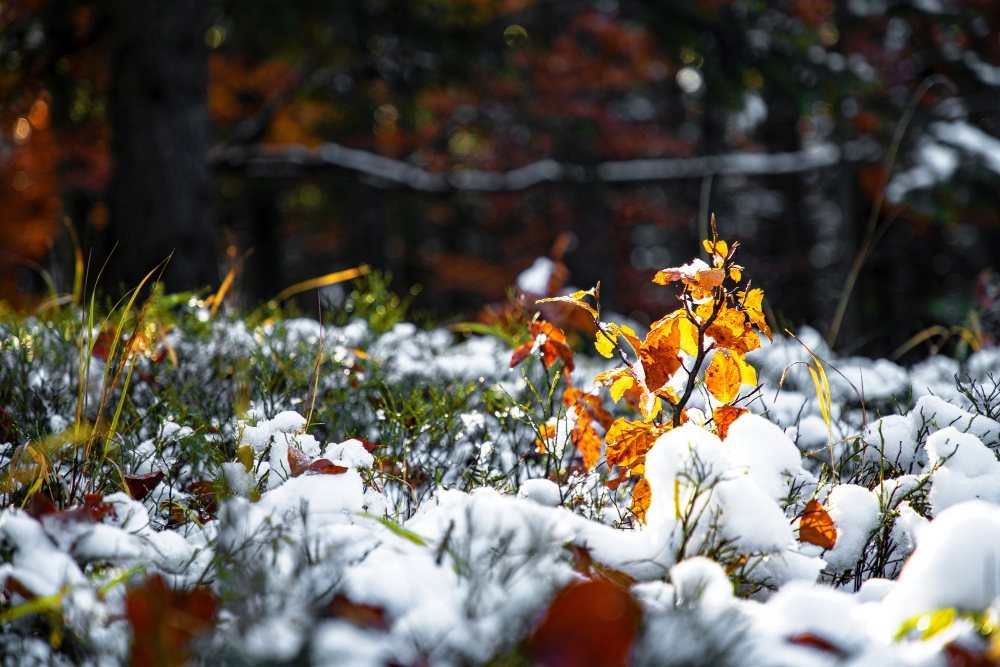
(160, 189)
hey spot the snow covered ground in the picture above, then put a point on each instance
(403, 547)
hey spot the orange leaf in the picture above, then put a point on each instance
(816, 526)
(659, 355)
(628, 441)
(723, 416)
(521, 353)
(590, 622)
(587, 441)
(723, 377)
(589, 402)
(642, 495)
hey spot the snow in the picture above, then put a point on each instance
(464, 574)
(956, 564)
(765, 453)
(855, 512)
(893, 439)
(535, 279)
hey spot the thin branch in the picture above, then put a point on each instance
(282, 161)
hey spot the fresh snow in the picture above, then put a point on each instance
(461, 577)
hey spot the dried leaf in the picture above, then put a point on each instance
(164, 621)
(324, 467)
(815, 641)
(139, 486)
(590, 622)
(723, 416)
(362, 615)
(816, 526)
(722, 378)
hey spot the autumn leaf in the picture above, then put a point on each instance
(362, 615)
(817, 642)
(550, 342)
(628, 441)
(753, 307)
(139, 486)
(723, 416)
(587, 441)
(722, 378)
(591, 622)
(731, 331)
(576, 299)
(816, 526)
(324, 467)
(642, 495)
(164, 621)
(620, 386)
(591, 403)
(697, 275)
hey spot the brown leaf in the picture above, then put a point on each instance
(723, 416)
(816, 526)
(297, 461)
(959, 656)
(164, 621)
(362, 615)
(139, 486)
(592, 622)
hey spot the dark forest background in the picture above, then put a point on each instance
(453, 142)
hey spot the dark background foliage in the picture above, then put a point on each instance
(452, 142)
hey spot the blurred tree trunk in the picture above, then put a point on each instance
(160, 190)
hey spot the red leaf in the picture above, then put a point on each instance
(205, 493)
(164, 621)
(959, 656)
(815, 641)
(324, 467)
(369, 446)
(592, 622)
(41, 505)
(139, 486)
(297, 461)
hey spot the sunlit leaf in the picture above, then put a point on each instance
(816, 526)
(723, 416)
(722, 378)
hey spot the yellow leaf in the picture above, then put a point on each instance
(620, 386)
(723, 377)
(605, 341)
(747, 373)
(245, 456)
(735, 274)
